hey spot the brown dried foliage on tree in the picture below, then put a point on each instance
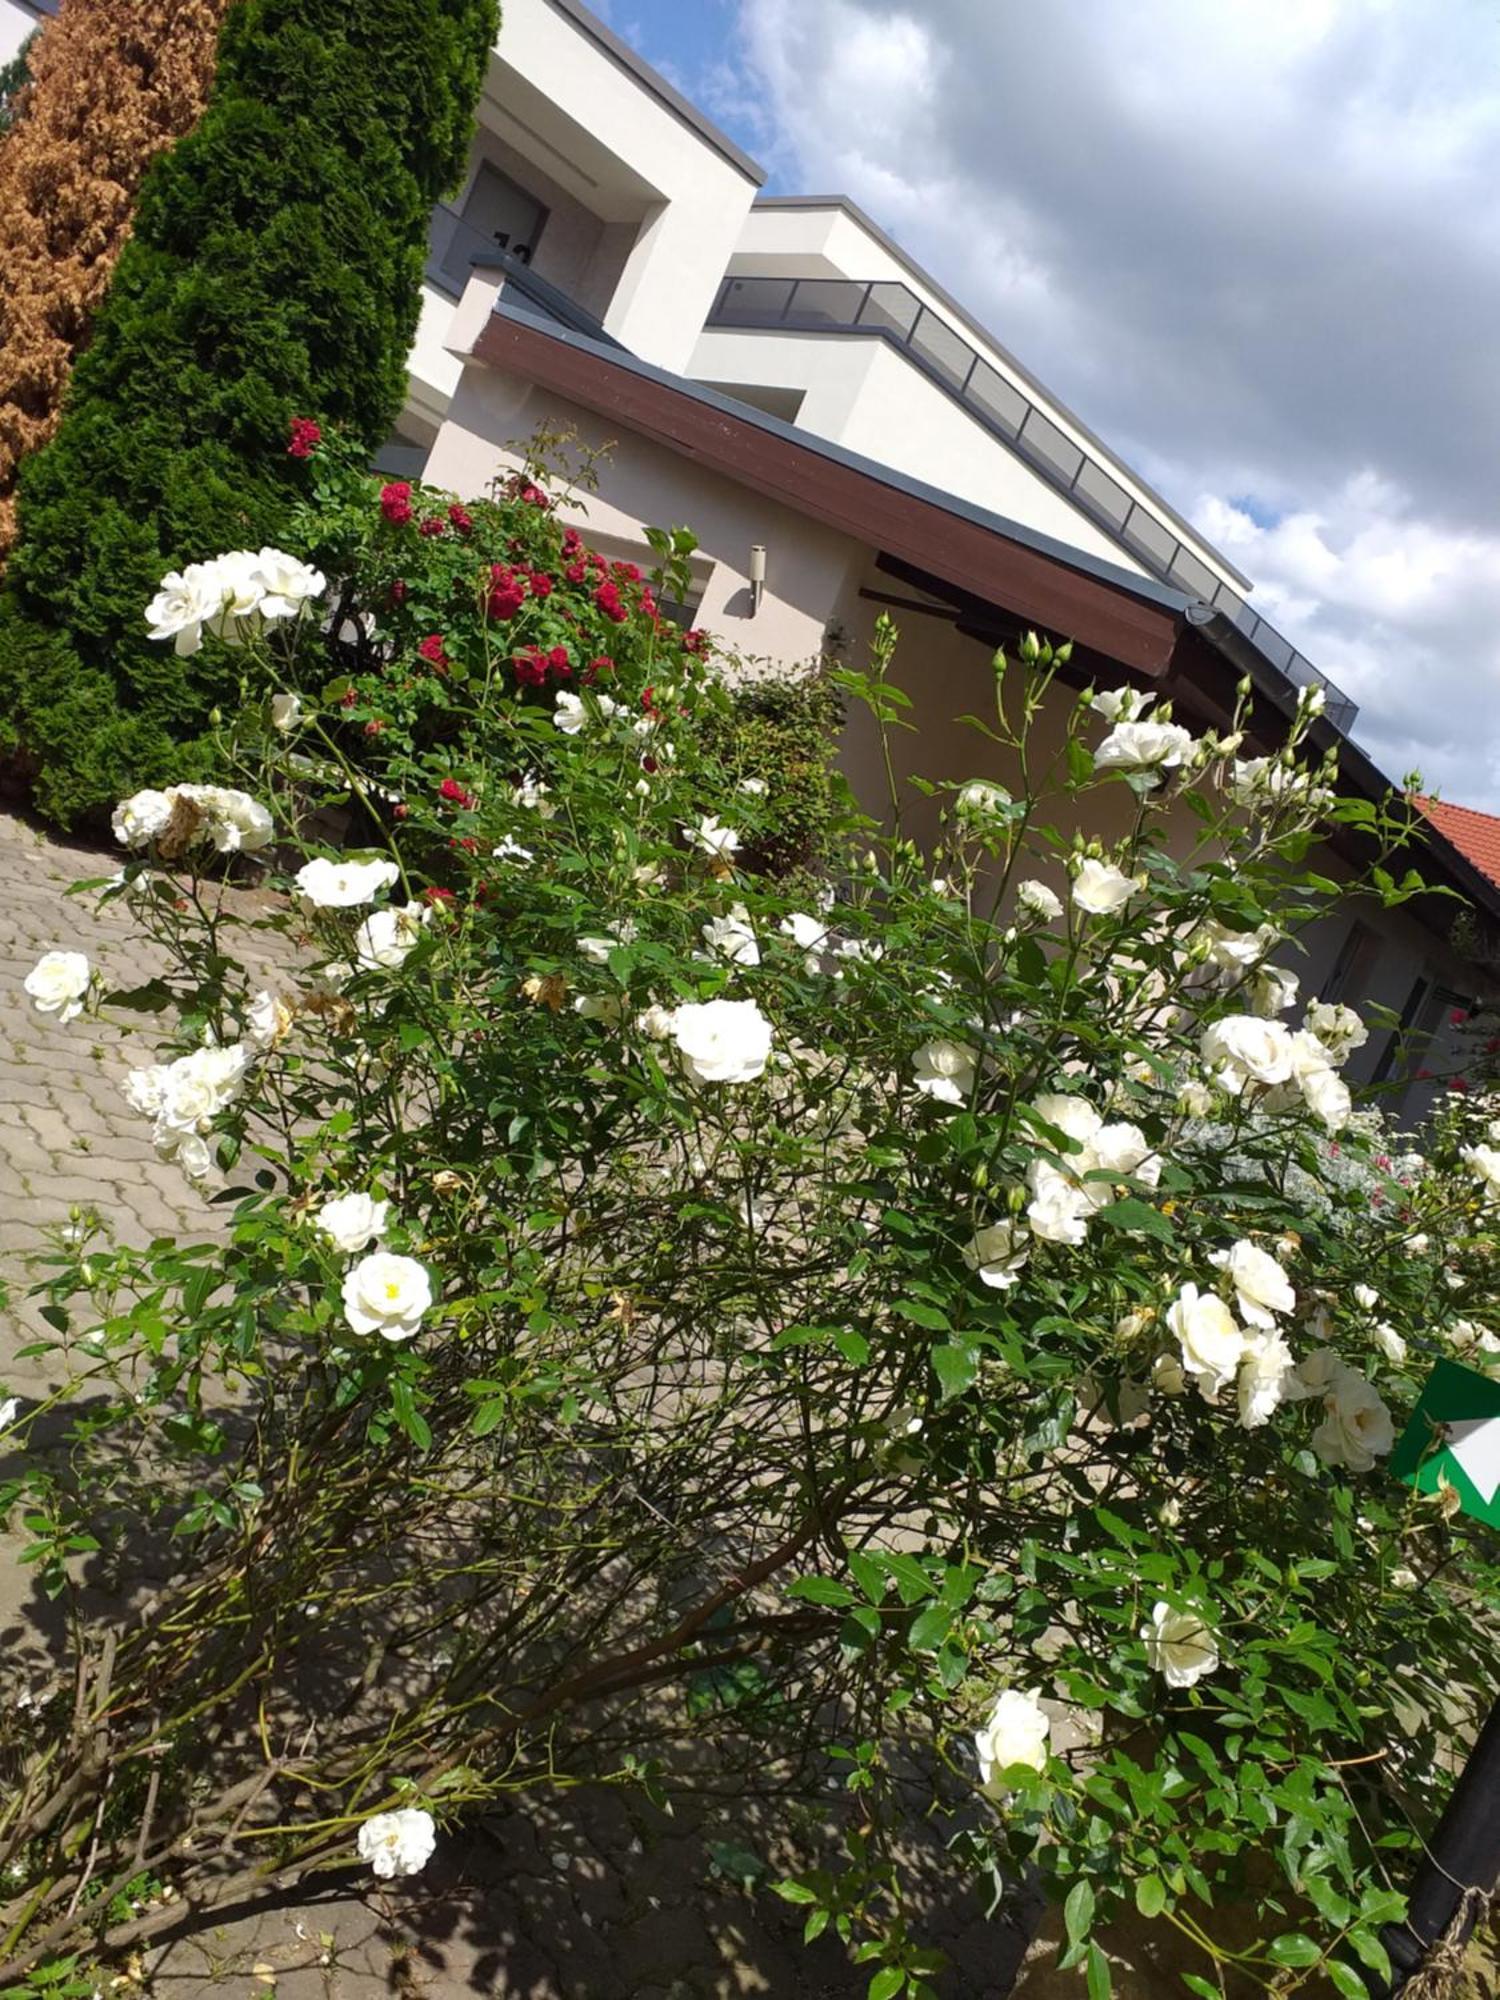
(112, 82)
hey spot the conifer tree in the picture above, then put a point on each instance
(101, 92)
(274, 271)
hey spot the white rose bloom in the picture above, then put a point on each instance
(1179, 1646)
(398, 1843)
(9, 1410)
(1101, 889)
(946, 1070)
(1315, 1374)
(1390, 1343)
(1121, 704)
(731, 937)
(511, 850)
(569, 715)
(234, 821)
(1073, 1115)
(1327, 1096)
(722, 1041)
(1356, 1427)
(192, 1091)
(188, 1150)
(720, 843)
(1038, 901)
(352, 1222)
(268, 1020)
(655, 1022)
(600, 1007)
(1143, 746)
(1238, 951)
(1195, 1099)
(980, 799)
(597, 949)
(187, 600)
(139, 819)
(286, 712)
(755, 788)
(1338, 1028)
(1058, 1212)
(809, 934)
(1167, 1375)
(1212, 1344)
(388, 1295)
(531, 795)
(386, 936)
(1272, 990)
(1121, 1149)
(1484, 1161)
(1418, 1245)
(1263, 1376)
(1262, 1288)
(58, 984)
(286, 584)
(995, 1254)
(1366, 1296)
(1242, 1050)
(341, 885)
(1017, 1732)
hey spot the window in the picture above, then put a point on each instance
(496, 215)
(1352, 968)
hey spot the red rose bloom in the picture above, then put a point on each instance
(398, 592)
(433, 525)
(395, 502)
(374, 728)
(576, 572)
(607, 597)
(530, 666)
(561, 665)
(541, 583)
(461, 518)
(431, 650)
(603, 664)
(596, 561)
(454, 794)
(506, 600)
(350, 697)
(695, 642)
(627, 572)
(304, 438)
(434, 894)
(572, 542)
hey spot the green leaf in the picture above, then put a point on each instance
(1096, 1974)
(1347, 1980)
(930, 1628)
(821, 1590)
(887, 1983)
(853, 1346)
(1370, 1951)
(795, 1892)
(868, 1574)
(921, 1314)
(1202, 1987)
(955, 1368)
(1078, 1911)
(1294, 1948)
(1138, 1216)
(1150, 1895)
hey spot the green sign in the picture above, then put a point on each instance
(1455, 1432)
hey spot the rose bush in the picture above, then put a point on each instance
(898, 1322)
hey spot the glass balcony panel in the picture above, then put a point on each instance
(1107, 496)
(890, 308)
(995, 399)
(940, 347)
(825, 303)
(1041, 437)
(1193, 575)
(1150, 540)
(754, 301)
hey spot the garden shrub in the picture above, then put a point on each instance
(274, 267)
(671, 1318)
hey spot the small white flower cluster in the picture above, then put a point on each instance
(574, 712)
(232, 820)
(1258, 781)
(1245, 1052)
(234, 597)
(183, 1098)
(383, 1293)
(1062, 1200)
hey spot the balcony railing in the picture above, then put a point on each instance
(892, 312)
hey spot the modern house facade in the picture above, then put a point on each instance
(779, 375)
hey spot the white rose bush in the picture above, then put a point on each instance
(914, 1345)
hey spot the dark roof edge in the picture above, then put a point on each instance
(1144, 587)
(641, 70)
(982, 332)
(1367, 777)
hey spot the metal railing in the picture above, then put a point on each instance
(455, 249)
(892, 312)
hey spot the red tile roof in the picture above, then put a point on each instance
(1476, 835)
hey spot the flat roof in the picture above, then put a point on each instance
(981, 332)
(681, 107)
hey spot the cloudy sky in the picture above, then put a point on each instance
(1254, 243)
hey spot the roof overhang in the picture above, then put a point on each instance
(999, 575)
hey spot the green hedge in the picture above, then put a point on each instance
(274, 272)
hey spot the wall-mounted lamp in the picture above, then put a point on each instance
(757, 575)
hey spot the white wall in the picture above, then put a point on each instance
(860, 393)
(827, 242)
(557, 97)
(16, 23)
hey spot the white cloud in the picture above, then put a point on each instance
(1256, 245)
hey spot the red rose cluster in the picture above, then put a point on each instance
(452, 793)
(395, 502)
(534, 667)
(510, 587)
(304, 438)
